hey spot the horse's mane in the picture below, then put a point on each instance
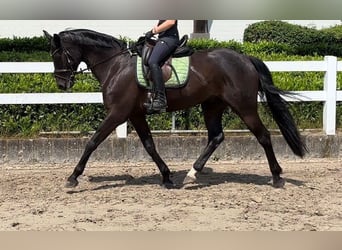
(91, 38)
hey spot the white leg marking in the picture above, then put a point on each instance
(192, 173)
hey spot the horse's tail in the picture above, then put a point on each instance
(279, 108)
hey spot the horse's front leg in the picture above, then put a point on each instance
(144, 132)
(106, 127)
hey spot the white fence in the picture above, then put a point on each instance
(329, 95)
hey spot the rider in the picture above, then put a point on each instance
(168, 39)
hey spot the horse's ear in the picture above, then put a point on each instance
(57, 40)
(47, 35)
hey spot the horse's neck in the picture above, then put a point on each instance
(99, 63)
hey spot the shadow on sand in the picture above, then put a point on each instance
(206, 179)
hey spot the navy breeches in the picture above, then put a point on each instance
(162, 51)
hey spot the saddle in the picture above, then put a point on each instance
(145, 50)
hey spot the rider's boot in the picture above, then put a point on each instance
(159, 103)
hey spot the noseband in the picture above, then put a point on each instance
(69, 68)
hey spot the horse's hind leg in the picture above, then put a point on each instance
(253, 122)
(212, 112)
(106, 127)
(145, 136)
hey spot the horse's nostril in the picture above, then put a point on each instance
(61, 86)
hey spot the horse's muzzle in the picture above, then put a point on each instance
(64, 84)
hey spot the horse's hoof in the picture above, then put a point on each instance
(188, 180)
(168, 185)
(191, 176)
(279, 183)
(71, 183)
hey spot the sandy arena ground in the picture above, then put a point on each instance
(127, 196)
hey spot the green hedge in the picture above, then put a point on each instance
(15, 56)
(44, 83)
(303, 40)
(26, 44)
(335, 31)
(29, 120)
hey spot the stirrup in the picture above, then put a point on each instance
(150, 109)
(148, 103)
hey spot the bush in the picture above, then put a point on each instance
(14, 56)
(26, 44)
(304, 40)
(29, 120)
(335, 31)
(201, 43)
(43, 83)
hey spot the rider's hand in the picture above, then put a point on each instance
(149, 34)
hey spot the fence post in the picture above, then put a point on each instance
(329, 109)
(121, 130)
(173, 128)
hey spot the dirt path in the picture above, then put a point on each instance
(228, 196)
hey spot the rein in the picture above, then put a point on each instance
(81, 71)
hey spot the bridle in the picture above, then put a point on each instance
(73, 73)
(69, 68)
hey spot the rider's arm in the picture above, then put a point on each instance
(164, 26)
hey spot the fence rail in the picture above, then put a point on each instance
(329, 95)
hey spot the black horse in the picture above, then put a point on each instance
(218, 78)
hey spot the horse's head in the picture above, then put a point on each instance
(66, 59)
